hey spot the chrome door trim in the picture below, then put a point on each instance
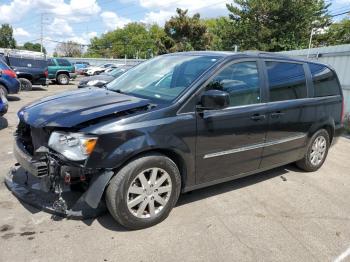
(256, 146)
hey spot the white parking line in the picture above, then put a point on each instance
(343, 255)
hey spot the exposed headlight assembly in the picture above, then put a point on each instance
(74, 146)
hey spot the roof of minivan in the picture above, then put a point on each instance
(254, 54)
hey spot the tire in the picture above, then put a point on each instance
(310, 164)
(4, 90)
(63, 79)
(26, 85)
(118, 194)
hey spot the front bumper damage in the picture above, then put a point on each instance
(43, 184)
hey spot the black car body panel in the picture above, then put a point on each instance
(75, 107)
(208, 146)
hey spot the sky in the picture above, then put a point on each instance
(80, 20)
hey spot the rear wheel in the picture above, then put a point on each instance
(26, 85)
(3, 91)
(316, 152)
(143, 193)
(63, 79)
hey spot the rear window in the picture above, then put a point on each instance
(63, 62)
(27, 62)
(3, 65)
(324, 80)
(286, 81)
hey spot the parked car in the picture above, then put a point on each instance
(95, 70)
(61, 70)
(103, 78)
(30, 71)
(9, 83)
(3, 103)
(79, 68)
(180, 122)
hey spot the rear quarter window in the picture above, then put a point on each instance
(63, 62)
(287, 81)
(324, 80)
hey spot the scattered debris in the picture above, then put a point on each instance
(283, 178)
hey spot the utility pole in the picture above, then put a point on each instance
(310, 43)
(41, 32)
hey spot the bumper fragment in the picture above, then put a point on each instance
(27, 188)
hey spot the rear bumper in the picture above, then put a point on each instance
(13, 86)
(42, 82)
(339, 130)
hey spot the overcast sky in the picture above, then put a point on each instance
(79, 20)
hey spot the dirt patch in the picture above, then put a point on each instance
(27, 233)
(8, 236)
(5, 228)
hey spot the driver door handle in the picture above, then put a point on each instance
(257, 117)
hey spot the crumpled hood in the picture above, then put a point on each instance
(74, 107)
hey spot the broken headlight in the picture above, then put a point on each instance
(74, 146)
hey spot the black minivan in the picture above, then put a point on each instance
(176, 123)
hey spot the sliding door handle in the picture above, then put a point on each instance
(277, 114)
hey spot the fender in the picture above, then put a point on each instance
(60, 72)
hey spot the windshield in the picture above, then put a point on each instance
(164, 77)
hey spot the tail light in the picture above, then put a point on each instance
(46, 73)
(342, 117)
(9, 73)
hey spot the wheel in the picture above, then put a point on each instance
(26, 85)
(316, 152)
(143, 192)
(4, 91)
(63, 79)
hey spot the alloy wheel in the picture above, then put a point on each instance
(318, 150)
(149, 192)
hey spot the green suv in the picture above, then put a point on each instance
(61, 70)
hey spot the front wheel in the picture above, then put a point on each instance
(143, 192)
(3, 91)
(316, 152)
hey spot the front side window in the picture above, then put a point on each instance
(286, 81)
(163, 78)
(241, 81)
(325, 81)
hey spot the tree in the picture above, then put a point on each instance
(336, 34)
(220, 30)
(275, 25)
(69, 49)
(188, 33)
(6, 37)
(32, 47)
(134, 40)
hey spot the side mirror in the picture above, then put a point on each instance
(214, 99)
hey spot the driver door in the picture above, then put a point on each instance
(230, 141)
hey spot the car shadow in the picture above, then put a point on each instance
(109, 223)
(3, 123)
(13, 98)
(38, 88)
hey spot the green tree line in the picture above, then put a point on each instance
(266, 25)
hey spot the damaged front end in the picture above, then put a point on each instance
(58, 183)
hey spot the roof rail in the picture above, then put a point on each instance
(22, 53)
(264, 53)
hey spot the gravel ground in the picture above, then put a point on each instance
(280, 215)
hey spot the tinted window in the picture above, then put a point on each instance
(50, 62)
(63, 62)
(325, 81)
(26, 62)
(286, 81)
(241, 81)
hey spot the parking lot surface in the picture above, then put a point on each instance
(279, 215)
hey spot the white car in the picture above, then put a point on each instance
(95, 70)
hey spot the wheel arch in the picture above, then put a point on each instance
(62, 72)
(174, 155)
(328, 124)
